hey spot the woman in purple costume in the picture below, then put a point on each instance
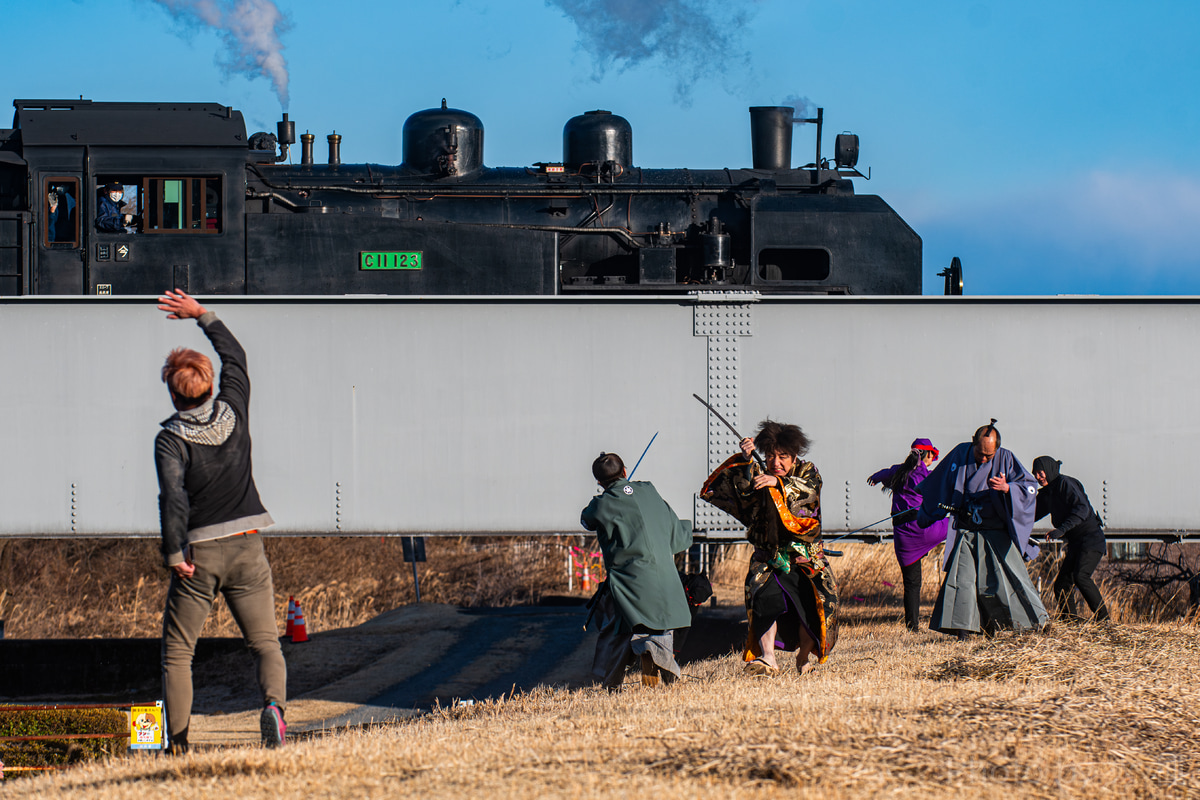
(912, 541)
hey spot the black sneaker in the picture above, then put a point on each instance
(273, 727)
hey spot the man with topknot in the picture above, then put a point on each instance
(992, 501)
(642, 602)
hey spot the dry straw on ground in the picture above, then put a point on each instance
(102, 588)
(1086, 711)
(89, 588)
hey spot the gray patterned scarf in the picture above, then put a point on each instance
(211, 423)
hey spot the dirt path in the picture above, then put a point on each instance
(409, 659)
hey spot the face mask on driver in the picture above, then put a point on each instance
(114, 196)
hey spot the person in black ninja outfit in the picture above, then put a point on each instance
(1076, 522)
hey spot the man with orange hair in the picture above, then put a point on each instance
(210, 513)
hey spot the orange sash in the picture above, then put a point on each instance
(797, 525)
(822, 649)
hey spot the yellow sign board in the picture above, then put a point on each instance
(146, 727)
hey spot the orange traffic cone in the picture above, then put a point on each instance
(299, 629)
(291, 617)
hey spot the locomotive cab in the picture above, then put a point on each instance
(176, 222)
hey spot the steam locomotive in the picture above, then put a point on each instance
(209, 209)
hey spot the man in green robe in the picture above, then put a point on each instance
(642, 602)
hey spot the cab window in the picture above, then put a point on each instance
(61, 197)
(181, 205)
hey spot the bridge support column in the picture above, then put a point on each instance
(724, 318)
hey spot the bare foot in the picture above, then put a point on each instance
(807, 648)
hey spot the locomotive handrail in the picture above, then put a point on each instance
(511, 190)
(618, 233)
(274, 196)
(524, 189)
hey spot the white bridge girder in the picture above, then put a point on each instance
(449, 416)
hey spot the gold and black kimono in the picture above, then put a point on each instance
(790, 581)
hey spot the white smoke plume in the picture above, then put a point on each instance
(802, 108)
(693, 39)
(251, 30)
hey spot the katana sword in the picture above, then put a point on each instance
(639, 461)
(757, 456)
(873, 524)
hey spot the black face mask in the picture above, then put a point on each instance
(1047, 465)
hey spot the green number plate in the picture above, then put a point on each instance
(410, 259)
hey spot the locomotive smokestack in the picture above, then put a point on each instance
(771, 136)
(335, 148)
(286, 134)
(307, 140)
(286, 130)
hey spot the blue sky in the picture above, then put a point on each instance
(1053, 147)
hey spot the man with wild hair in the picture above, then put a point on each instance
(993, 499)
(210, 514)
(642, 602)
(791, 592)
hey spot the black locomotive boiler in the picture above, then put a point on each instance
(205, 207)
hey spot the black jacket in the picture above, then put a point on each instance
(205, 482)
(1071, 513)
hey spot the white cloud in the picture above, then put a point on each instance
(1145, 220)
(1153, 219)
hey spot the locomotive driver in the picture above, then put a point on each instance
(210, 515)
(108, 212)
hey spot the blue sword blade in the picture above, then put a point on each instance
(639, 461)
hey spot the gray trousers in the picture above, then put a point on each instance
(987, 587)
(618, 647)
(237, 568)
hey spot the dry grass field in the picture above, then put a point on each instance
(1085, 711)
(105, 588)
(114, 588)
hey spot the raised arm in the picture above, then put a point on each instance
(180, 305)
(235, 377)
(882, 476)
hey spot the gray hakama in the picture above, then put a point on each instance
(642, 601)
(987, 587)
(619, 648)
